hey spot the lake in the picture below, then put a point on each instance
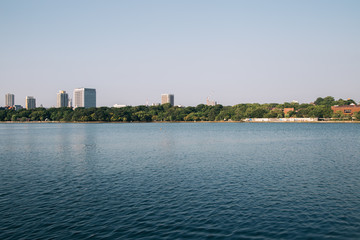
(180, 181)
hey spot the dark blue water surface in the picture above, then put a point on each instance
(180, 181)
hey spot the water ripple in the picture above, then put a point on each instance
(196, 181)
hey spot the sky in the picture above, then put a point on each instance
(232, 51)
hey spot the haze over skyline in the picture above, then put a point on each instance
(133, 51)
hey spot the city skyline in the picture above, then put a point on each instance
(237, 51)
(63, 100)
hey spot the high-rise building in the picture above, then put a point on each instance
(30, 102)
(85, 97)
(62, 99)
(210, 102)
(9, 100)
(167, 98)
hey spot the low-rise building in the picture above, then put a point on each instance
(287, 110)
(18, 107)
(119, 105)
(346, 109)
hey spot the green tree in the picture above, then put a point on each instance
(2, 114)
(224, 115)
(319, 101)
(357, 116)
(320, 111)
(143, 116)
(275, 113)
(14, 117)
(338, 115)
(329, 101)
(191, 117)
(256, 112)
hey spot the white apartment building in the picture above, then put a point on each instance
(85, 97)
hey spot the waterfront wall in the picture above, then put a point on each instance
(281, 120)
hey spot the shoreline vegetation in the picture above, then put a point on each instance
(101, 122)
(319, 111)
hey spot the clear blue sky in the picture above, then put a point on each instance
(133, 51)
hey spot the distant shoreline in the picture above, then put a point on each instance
(326, 109)
(12, 122)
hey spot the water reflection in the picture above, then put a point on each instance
(84, 140)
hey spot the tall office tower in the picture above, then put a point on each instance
(30, 102)
(85, 97)
(62, 99)
(167, 98)
(69, 102)
(9, 100)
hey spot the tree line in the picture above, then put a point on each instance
(321, 108)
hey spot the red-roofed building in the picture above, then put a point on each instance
(346, 109)
(287, 110)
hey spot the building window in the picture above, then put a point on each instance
(347, 111)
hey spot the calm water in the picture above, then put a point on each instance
(180, 181)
